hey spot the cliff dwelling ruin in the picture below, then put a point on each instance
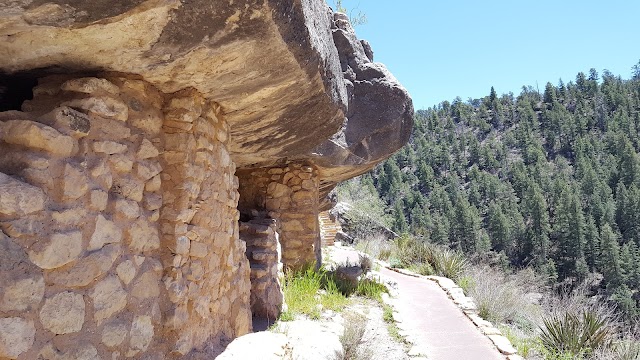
(162, 161)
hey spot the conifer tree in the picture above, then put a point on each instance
(609, 259)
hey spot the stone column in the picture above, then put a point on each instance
(206, 271)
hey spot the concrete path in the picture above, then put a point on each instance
(439, 329)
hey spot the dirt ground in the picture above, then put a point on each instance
(376, 342)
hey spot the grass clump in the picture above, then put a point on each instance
(392, 328)
(308, 292)
(524, 343)
(371, 288)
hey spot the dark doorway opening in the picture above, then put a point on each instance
(15, 89)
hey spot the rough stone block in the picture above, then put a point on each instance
(90, 85)
(199, 250)
(21, 294)
(121, 163)
(147, 169)
(129, 187)
(61, 249)
(113, 334)
(63, 313)
(75, 185)
(68, 121)
(101, 106)
(87, 269)
(109, 147)
(126, 271)
(127, 209)
(143, 236)
(37, 136)
(146, 286)
(70, 217)
(147, 150)
(99, 200)
(108, 299)
(154, 184)
(16, 336)
(141, 333)
(106, 232)
(18, 198)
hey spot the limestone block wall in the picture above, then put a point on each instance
(264, 254)
(290, 195)
(118, 221)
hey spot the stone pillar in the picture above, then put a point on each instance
(117, 240)
(206, 271)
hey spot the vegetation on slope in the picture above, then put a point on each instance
(547, 180)
(541, 193)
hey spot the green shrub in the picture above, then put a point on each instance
(423, 269)
(303, 296)
(387, 313)
(466, 283)
(372, 289)
(575, 334)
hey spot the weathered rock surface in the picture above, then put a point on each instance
(16, 336)
(18, 198)
(63, 313)
(294, 340)
(146, 128)
(263, 345)
(292, 78)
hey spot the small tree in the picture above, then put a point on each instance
(635, 71)
(356, 19)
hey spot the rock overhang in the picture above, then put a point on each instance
(293, 80)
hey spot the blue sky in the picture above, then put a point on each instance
(443, 49)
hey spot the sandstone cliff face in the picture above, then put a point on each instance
(285, 72)
(154, 127)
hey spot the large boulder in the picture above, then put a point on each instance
(292, 78)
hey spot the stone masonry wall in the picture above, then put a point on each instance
(206, 271)
(264, 254)
(118, 222)
(290, 195)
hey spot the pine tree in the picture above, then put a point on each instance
(609, 259)
(549, 94)
(399, 221)
(569, 234)
(536, 246)
(591, 243)
(498, 228)
(466, 225)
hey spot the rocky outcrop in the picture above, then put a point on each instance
(291, 77)
(133, 137)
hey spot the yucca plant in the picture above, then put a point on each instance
(449, 263)
(576, 334)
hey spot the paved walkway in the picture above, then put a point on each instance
(436, 325)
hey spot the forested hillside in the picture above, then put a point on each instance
(549, 179)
